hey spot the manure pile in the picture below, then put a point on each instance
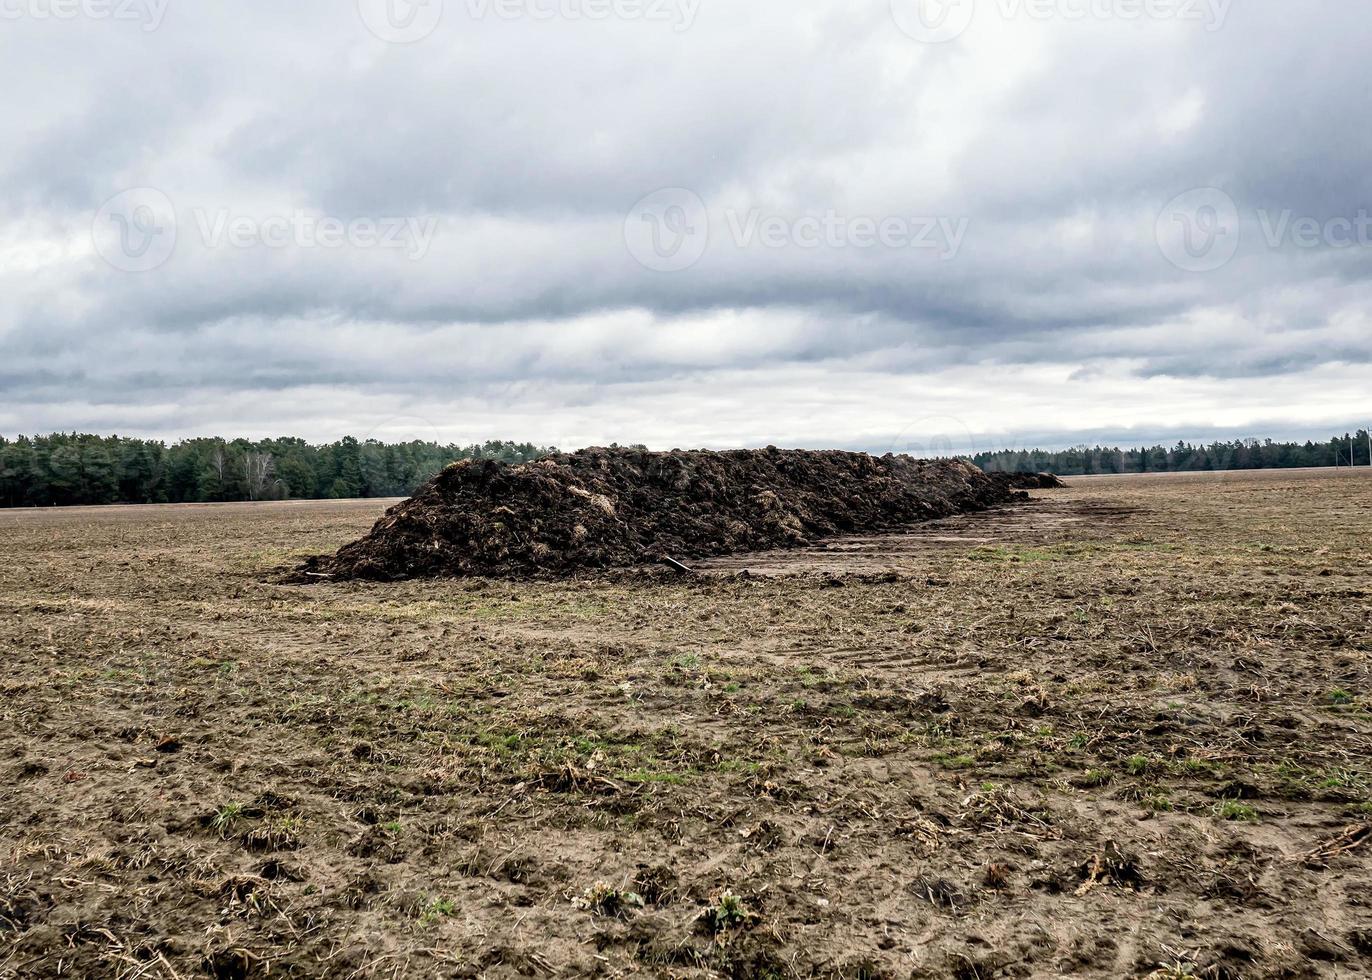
(606, 508)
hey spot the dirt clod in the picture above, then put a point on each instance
(1028, 481)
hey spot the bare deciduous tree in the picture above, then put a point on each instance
(259, 474)
(219, 461)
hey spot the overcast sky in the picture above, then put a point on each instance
(887, 224)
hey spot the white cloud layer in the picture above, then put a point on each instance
(867, 240)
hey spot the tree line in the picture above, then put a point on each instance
(1241, 454)
(71, 469)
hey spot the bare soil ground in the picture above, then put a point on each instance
(1121, 731)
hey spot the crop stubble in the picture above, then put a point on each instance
(1120, 731)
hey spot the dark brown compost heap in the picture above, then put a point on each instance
(604, 508)
(1029, 481)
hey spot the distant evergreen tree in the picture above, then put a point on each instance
(1237, 455)
(71, 468)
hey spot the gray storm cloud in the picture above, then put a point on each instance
(705, 223)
